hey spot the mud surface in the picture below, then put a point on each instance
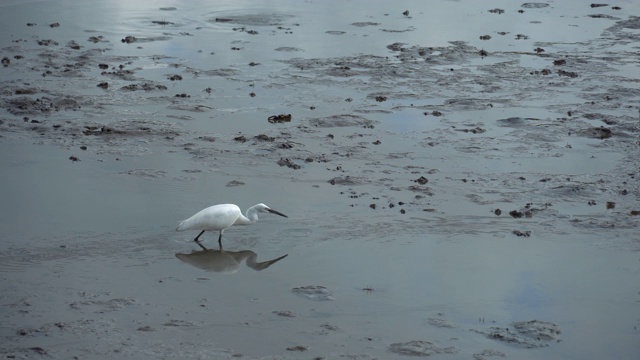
(461, 179)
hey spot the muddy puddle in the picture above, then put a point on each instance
(461, 179)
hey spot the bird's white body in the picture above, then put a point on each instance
(221, 217)
(216, 217)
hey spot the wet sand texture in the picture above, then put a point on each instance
(461, 179)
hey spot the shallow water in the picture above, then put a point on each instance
(406, 153)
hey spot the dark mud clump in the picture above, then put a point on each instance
(596, 133)
(289, 163)
(161, 22)
(534, 5)
(282, 118)
(285, 313)
(526, 233)
(570, 74)
(421, 180)
(261, 137)
(38, 106)
(143, 86)
(342, 121)
(347, 180)
(146, 173)
(487, 353)
(130, 128)
(420, 348)
(129, 39)
(441, 323)
(527, 334)
(314, 292)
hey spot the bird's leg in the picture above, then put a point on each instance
(202, 246)
(220, 240)
(197, 237)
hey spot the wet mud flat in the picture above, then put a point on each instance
(459, 192)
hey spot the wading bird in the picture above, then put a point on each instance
(221, 217)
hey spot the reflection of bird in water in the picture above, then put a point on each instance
(225, 261)
(221, 217)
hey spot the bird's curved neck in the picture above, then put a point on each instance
(243, 220)
(250, 218)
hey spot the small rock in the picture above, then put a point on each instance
(288, 163)
(570, 74)
(285, 313)
(263, 137)
(521, 233)
(279, 118)
(516, 214)
(39, 350)
(298, 348)
(421, 180)
(233, 183)
(129, 39)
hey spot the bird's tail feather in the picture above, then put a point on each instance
(182, 226)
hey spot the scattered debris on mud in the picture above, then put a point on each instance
(420, 348)
(314, 292)
(527, 334)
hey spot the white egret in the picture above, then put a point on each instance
(221, 217)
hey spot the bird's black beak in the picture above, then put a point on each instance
(277, 212)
